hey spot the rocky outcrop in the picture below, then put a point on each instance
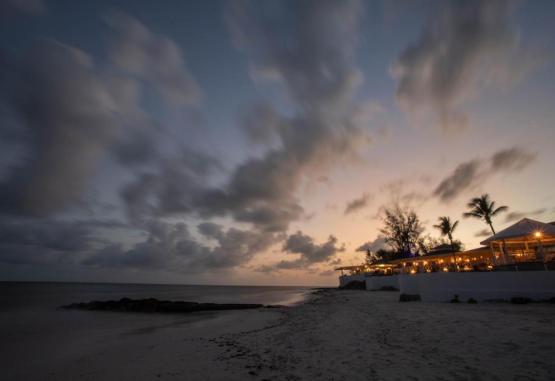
(409, 298)
(155, 305)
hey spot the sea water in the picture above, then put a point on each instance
(36, 332)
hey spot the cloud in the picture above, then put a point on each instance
(513, 216)
(64, 115)
(464, 47)
(404, 191)
(64, 119)
(375, 245)
(47, 241)
(466, 176)
(357, 204)
(511, 160)
(469, 175)
(483, 233)
(72, 116)
(153, 58)
(170, 188)
(7, 7)
(309, 252)
(171, 247)
(314, 62)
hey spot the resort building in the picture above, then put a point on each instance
(518, 261)
(479, 259)
(525, 241)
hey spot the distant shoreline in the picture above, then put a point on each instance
(164, 284)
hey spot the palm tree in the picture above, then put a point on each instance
(484, 209)
(447, 228)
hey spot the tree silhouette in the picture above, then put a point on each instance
(446, 228)
(484, 209)
(402, 229)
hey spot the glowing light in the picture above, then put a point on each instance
(413, 271)
(446, 269)
(538, 234)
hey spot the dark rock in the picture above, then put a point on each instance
(455, 299)
(388, 288)
(472, 301)
(354, 285)
(155, 305)
(520, 300)
(409, 298)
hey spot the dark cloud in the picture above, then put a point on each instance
(465, 177)
(8, 7)
(171, 187)
(357, 204)
(25, 240)
(513, 216)
(512, 160)
(64, 114)
(483, 233)
(309, 252)
(403, 191)
(171, 247)
(153, 58)
(314, 61)
(262, 190)
(469, 175)
(83, 115)
(465, 46)
(375, 245)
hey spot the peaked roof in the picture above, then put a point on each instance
(524, 228)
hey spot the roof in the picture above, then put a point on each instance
(478, 251)
(525, 228)
(349, 267)
(484, 250)
(442, 249)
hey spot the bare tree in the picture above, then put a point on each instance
(402, 229)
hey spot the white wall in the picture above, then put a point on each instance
(377, 282)
(345, 279)
(441, 287)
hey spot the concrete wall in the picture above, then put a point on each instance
(408, 284)
(377, 282)
(441, 287)
(345, 279)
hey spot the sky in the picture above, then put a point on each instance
(258, 143)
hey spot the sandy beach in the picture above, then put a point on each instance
(337, 335)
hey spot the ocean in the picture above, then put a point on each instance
(37, 337)
(20, 296)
